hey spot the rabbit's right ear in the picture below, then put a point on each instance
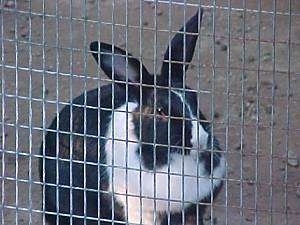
(118, 64)
(180, 53)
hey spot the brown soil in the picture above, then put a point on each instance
(247, 86)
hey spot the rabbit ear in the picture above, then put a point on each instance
(114, 60)
(181, 51)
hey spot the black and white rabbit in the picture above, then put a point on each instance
(146, 156)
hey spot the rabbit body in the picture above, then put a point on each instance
(168, 190)
(100, 157)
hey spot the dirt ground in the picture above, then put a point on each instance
(246, 70)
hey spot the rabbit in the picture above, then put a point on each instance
(131, 153)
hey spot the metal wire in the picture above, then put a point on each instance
(2, 120)
(99, 13)
(213, 88)
(288, 95)
(234, 203)
(71, 114)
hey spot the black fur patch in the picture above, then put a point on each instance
(172, 127)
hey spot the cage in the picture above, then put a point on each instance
(243, 76)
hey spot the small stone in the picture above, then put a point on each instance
(240, 114)
(224, 48)
(239, 30)
(5, 135)
(251, 59)
(269, 85)
(267, 56)
(217, 115)
(251, 88)
(37, 54)
(282, 168)
(272, 123)
(46, 92)
(230, 172)
(243, 77)
(145, 23)
(159, 12)
(248, 219)
(239, 147)
(192, 66)
(250, 182)
(298, 191)
(24, 31)
(268, 109)
(51, 68)
(248, 29)
(292, 158)
(250, 101)
(218, 42)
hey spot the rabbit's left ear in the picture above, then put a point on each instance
(119, 64)
(181, 51)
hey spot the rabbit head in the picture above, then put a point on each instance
(168, 113)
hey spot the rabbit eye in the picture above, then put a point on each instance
(160, 111)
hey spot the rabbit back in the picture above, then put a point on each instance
(75, 159)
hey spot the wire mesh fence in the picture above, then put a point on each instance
(134, 147)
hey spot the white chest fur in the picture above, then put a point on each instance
(143, 192)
